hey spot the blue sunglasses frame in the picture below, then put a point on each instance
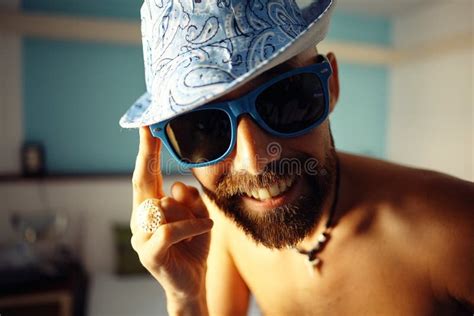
(246, 105)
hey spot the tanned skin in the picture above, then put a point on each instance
(402, 241)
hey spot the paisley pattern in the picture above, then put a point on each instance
(196, 50)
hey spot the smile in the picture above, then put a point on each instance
(275, 195)
(274, 190)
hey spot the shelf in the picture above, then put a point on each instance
(66, 176)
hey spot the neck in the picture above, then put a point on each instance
(331, 209)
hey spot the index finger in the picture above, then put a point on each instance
(147, 179)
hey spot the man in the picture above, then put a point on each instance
(306, 229)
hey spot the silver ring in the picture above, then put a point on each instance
(150, 215)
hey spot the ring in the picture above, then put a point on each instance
(150, 215)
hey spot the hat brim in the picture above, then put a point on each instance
(315, 32)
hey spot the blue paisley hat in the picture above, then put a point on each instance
(198, 50)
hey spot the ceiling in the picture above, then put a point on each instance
(372, 7)
(382, 7)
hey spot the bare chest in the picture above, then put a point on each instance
(363, 280)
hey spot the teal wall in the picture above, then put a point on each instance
(128, 9)
(75, 92)
(360, 28)
(359, 122)
(360, 118)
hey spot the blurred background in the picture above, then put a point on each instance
(69, 69)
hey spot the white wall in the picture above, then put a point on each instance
(93, 206)
(431, 103)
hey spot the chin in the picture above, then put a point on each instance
(277, 208)
(281, 220)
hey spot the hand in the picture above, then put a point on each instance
(176, 253)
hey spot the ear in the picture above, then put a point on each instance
(333, 82)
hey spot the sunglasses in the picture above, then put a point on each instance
(289, 105)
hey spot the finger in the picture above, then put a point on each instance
(184, 193)
(172, 211)
(137, 241)
(147, 180)
(190, 196)
(199, 208)
(173, 233)
(169, 234)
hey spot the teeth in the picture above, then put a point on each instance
(263, 194)
(254, 194)
(274, 190)
(282, 186)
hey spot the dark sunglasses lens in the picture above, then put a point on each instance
(292, 104)
(200, 136)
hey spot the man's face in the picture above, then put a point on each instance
(274, 188)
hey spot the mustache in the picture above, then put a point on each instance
(237, 183)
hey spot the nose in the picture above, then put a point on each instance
(254, 148)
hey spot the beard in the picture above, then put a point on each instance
(287, 225)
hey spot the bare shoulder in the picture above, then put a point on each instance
(445, 205)
(430, 215)
(416, 188)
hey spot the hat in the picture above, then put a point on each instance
(198, 50)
